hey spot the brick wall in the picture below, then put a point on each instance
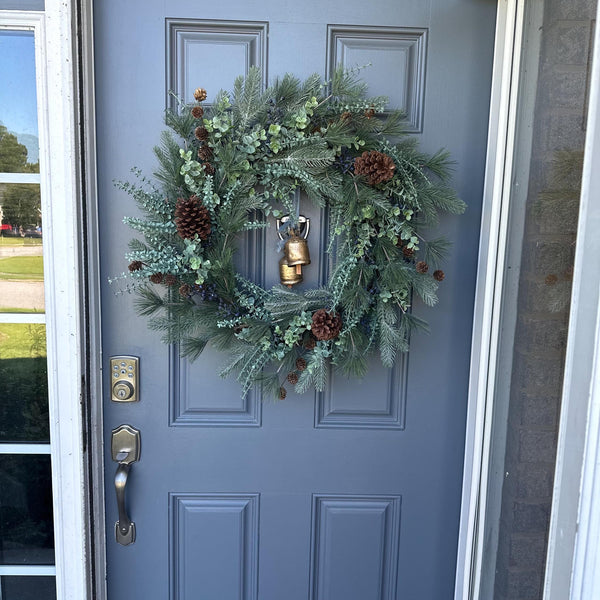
(543, 302)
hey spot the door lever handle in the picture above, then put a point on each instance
(125, 449)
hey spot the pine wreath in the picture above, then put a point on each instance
(240, 167)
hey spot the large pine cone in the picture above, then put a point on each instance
(377, 167)
(326, 325)
(192, 218)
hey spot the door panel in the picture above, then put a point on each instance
(350, 494)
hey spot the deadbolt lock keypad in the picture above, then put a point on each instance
(124, 372)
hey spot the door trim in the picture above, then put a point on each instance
(63, 289)
(573, 552)
(489, 294)
(489, 291)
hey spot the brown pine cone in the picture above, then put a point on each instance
(185, 289)
(439, 275)
(208, 168)
(156, 277)
(192, 218)
(201, 133)
(406, 251)
(376, 166)
(170, 280)
(200, 94)
(197, 112)
(422, 267)
(205, 153)
(282, 393)
(310, 343)
(370, 113)
(326, 325)
(300, 364)
(346, 115)
(135, 265)
(292, 378)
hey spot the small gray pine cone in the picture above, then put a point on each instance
(326, 325)
(135, 265)
(192, 218)
(197, 112)
(205, 153)
(200, 94)
(156, 277)
(422, 267)
(282, 393)
(292, 378)
(439, 275)
(300, 364)
(201, 133)
(376, 166)
(170, 280)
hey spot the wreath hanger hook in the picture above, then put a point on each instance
(303, 222)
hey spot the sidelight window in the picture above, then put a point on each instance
(27, 564)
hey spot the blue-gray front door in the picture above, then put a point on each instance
(352, 494)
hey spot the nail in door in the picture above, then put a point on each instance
(351, 494)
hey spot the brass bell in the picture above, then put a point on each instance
(287, 274)
(296, 252)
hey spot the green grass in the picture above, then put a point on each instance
(19, 241)
(22, 340)
(22, 268)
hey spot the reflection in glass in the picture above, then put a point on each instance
(21, 262)
(23, 383)
(26, 534)
(19, 147)
(28, 588)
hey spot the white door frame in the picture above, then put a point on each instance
(573, 567)
(63, 288)
(70, 35)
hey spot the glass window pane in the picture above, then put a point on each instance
(26, 534)
(21, 262)
(19, 146)
(23, 383)
(28, 588)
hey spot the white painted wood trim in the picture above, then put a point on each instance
(489, 295)
(25, 449)
(573, 564)
(59, 164)
(20, 178)
(23, 318)
(27, 570)
(57, 127)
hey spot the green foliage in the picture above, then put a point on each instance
(256, 154)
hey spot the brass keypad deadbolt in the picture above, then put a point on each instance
(124, 374)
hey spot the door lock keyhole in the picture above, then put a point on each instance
(123, 390)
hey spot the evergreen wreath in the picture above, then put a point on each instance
(236, 165)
